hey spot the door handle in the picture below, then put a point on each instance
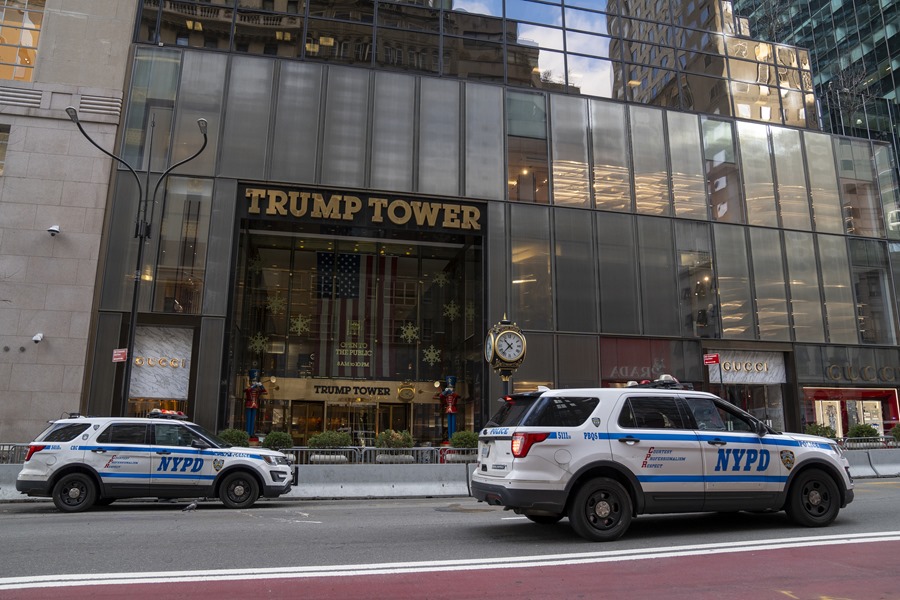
(99, 450)
(630, 440)
(163, 452)
(717, 442)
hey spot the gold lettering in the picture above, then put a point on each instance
(304, 200)
(868, 373)
(352, 205)
(173, 362)
(470, 217)
(254, 196)
(326, 210)
(833, 372)
(451, 216)
(139, 360)
(277, 200)
(426, 212)
(392, 212)
(163, 362)
(377, 205)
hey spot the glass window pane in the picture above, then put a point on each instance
(479, 7)
(793, 108)
(651, 180)
(528, 66)
(823, 183)
(534, 36)
(576, 274)
(839, 309)
(652, 86)
(524, 10)
(887, 183)
(400, 50)
(756, 101)
(619, 300)
(405, 16)
(756, 162)
(733, 279)
(345, 43)
(392, 132)
(346, 119)
(857, 179)
(722, 176)
(803, 279)
(688, 178)
(527, 160)
(696, 281)
(593, 45)
(296, 118)
(261, 33)
(579, 361)
(793, 200)
(871, 284)
(247, 108)
(538, 367)
(532, 286)
(209, 29)
(477, 60)
(154, 79)
(612, 173)
(657, 266)
(595, 77)
(569, 120)
(439, 129)
(484, 142)
(769, 285)
(474, 26)
(707, 95)
(199, 97)
(592, 22)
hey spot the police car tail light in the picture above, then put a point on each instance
(32, 450)
(522, 442)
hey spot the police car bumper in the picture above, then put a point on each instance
(33, 487)
(273, 490)
(552, 501)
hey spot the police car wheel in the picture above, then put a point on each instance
(239, 490)
(601, 510)
(813, 500)
(74, 492)
(544, 519)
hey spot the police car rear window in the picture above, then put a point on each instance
(65, 432)
(561, 411)
(513, 409)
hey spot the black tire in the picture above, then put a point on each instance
(239, 490)
(104, 501)
(813, 499)
(601, 510)
(75, 492)
(544, 519)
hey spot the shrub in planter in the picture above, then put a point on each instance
(278, 440)
(330, 439)
(394, 439)
(235, 437)
(464, 439)
(896, 433)
(862, 430)
(821, 430)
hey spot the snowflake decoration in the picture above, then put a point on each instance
(255, 264)
(258, 343)
(276, 303)
(409, 333)
(451, 310)
(470, 311)
(431, 355)
(441, 279)
(300, 324)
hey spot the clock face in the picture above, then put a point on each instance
(489, 346)
(510, 346)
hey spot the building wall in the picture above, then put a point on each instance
(53, 176)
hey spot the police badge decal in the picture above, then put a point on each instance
(787, 459)
(218, 463)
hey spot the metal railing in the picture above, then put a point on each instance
(869, 443)
(367, 455)
(12, 454)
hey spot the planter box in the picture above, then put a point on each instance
(391, 458)
(453, 457)
(328, 459)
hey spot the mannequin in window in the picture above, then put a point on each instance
(252, 398)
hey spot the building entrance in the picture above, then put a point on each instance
(356, 329)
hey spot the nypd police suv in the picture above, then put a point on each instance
(85, 461)
(603, 456)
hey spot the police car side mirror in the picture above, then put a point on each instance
(761, 429)
(199, 444)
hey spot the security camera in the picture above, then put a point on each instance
(37, 338)
(53, 230)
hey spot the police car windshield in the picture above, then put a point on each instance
(213, 438)
(513, 409)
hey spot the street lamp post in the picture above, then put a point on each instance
(141, 231)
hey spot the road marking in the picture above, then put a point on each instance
(85, 579)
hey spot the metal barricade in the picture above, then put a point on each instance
(13, 454)
(368, 455)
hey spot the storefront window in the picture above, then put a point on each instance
(841, 409)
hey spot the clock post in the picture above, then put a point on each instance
(504, 350)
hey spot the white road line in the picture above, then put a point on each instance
(49, 581)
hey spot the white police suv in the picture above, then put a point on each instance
(85, 461)
(602, 456)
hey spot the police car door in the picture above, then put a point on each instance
(177, 467)
(739, 468)
(652, 437)
(121, 456)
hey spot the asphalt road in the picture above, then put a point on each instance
(330, 536)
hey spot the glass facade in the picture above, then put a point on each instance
(365, 212)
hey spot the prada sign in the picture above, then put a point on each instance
(359, 210)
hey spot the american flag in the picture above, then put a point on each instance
(355, 318)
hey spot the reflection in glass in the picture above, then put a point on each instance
(404, 51)
(769, 285)
(586, 21)
(346, 118)
(594, 45)
(619, 298)
(479, 7)
(793, 200)
(527, 160)
(347, 43)
(722, 177)
(861, 209)
(839, 309)
(484, 142)
(345, 10)
(393, 153)
(211, 28)
(569, 151)
(525, 10)
(756, 162)
(794, 108)
(404, 16)
(594, 77)
(476, 60)
(263, 33)
(532, 287)
(698, 298)
(733, 278)
(826, 200)
(439, 130)
(872, 290)
(576, 272)
(803, 281)
(890, 195)
(612, 173)
(706, 94)
(539, 69)
(473, 26)
(651, 185)
(688, 178)
(656, 260)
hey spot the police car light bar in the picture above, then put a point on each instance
(664, 381)
(163, 413)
